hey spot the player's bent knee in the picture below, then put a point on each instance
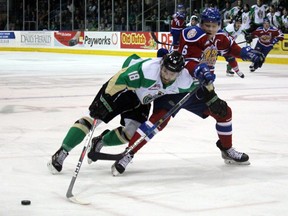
(130, 127)
(85, 124)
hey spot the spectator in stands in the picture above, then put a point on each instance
(194, 21)
(284, 21)
(258, 13)
(246, 20)
(123, 24)
(165, 21)
(154, 18)
(225, 14)
(237, 10)
(274, 16)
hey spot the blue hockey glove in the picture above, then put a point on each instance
(203, 74)
(161, 52)
(274, 41)
(147, 128)
(249, 54)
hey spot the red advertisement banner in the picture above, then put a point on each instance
(69, 38)
(165, 37)
(137, 40)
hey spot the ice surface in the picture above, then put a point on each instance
(180, 172)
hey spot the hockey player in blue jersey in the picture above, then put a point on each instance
(177, 24)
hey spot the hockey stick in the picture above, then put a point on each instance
(69, 193)
(157, 41)
(106, 156)
(242, 42)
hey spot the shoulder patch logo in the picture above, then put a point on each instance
(191, 33)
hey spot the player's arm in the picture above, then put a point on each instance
(104, 103)
(127, 78)
(247, 54)
(279, 37)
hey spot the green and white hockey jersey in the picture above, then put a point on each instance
(230, 29)
(144, 79)
(246, 20)
(258, 13)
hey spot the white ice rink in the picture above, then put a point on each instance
(180, 172)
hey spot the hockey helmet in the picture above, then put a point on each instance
(194, 17)
(181, 9)
(266, 20)
(174, 62)
(238, 18)
(211, 15)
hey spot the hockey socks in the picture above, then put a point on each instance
(114, 137)
(146, 129)
(77, 133)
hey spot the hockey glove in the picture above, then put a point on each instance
(248, 38)
(249, 54)
(100, 108)
(215, 104)
(162, 52)
(274, 41)
(203, 74)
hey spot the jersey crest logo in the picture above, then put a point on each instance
(209, 56)
(266, 38)
(191, 33)
(155, 87)
(149, 98)
(260, 14)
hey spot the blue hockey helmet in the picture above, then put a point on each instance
(211, 15)
(181, 9)
(265, 19)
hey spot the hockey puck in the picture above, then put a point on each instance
(25, 202)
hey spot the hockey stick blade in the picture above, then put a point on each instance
(106, 156)
(157, 41)
(75, 200)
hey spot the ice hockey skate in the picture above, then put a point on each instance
(119, 166)
(95, 146)
(251, 67)
(56, 162)
(240, 74)
(230, 73)
(231, 156)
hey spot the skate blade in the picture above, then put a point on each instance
(114, 171)
(232, 162)
(51, 168)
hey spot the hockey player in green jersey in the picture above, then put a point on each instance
(234, 30)
(129, 94)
